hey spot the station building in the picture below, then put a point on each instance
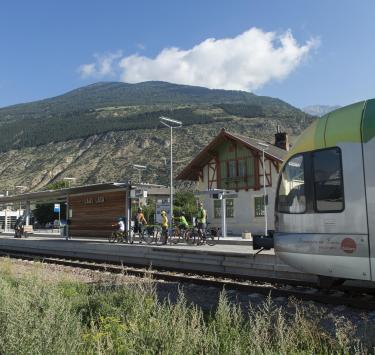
(91, 209)
(234, 162)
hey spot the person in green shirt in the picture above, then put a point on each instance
(181, 220)
(182, 224)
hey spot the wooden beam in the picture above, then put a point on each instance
(256, 172)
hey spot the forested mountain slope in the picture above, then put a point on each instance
(97, 132)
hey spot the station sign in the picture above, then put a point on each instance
(218, 194)
(93, 200)
(137, 193)
(56, 207)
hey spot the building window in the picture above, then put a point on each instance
(241, 168)
(259, 206)
(217, 208)
(291, 194)
(328, 184)
(231, 168)
(229, 206)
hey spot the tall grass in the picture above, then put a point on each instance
(38, 317)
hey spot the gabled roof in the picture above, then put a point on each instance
(191, 171)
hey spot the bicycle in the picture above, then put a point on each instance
(160, 236)
(151, 234)
(118, 237)
(191, 236)
(213, 235)
(206, 237)
(147, 235)
(178, 235)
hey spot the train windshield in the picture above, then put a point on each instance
(328, 182)
(291, 196)
(312, 182)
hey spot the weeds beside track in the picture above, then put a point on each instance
(349, 296)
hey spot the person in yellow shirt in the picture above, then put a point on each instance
(164, 226)
(202, 221)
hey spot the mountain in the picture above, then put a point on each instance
(95, 133)
(112, 94)
(319, 110)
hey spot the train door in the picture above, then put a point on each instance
(368, 144)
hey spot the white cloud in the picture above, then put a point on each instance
(102, 67)
(245, 62)
(87, 70)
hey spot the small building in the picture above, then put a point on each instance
(234, 162)
(8, 218)
(91, 209)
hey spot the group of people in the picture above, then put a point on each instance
(140, 222)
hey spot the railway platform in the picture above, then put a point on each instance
(225, 259)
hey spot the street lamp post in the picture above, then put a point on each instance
(65, 230)
(21, 187)
(168, 122)
(264, 147)
(139, 168)
(6, 215)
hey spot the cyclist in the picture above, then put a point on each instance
(120, 226)
(201, 221)
(139, 222)
(164, 226)
(183, 225)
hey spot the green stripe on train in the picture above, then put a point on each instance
(368, 125)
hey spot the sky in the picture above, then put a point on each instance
(302, 51)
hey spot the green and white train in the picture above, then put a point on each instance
(325, 205)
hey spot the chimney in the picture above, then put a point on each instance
(281, 139)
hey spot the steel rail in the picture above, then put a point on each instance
(349, 296)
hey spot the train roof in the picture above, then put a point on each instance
(353, 123)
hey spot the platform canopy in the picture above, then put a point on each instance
(61, 195)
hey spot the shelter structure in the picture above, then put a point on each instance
(91, 209)
(235, 162)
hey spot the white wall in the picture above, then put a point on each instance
(11, 217)
(244, 219)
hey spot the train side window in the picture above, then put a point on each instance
(291, 192)
(328, 182)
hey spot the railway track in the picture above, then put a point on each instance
(349, 296)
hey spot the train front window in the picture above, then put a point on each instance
(328, 182)
(291, 194)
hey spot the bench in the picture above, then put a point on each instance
(27, 229)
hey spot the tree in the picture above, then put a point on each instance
(44, 212)
(57, 185)
(185, 201)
